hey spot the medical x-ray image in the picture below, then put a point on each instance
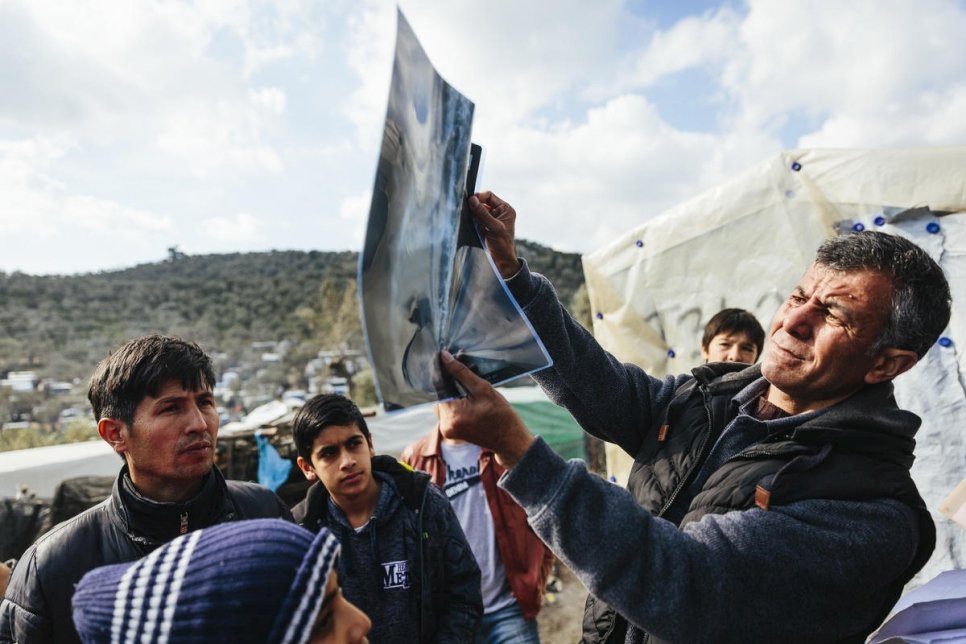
(426, 283)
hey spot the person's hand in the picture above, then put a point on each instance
(483, 417)
(4, 578)
(497, 219)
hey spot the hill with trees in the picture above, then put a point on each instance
(59, 326)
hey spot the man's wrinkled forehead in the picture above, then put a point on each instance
(862, 291)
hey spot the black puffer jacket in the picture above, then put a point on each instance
(123, 527)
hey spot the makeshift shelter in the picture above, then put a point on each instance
(40, 470)
(745, 244)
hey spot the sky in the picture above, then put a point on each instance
(128, 127)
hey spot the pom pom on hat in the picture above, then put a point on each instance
(246, 581)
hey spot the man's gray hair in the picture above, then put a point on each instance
(921, 303)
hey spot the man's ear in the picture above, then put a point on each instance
(890, 363)
(307, 469)
(704, 353)
(114, 434)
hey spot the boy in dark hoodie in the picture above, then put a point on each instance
(405, 559)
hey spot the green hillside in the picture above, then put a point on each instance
(60, 326)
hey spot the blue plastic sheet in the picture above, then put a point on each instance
(273, 470)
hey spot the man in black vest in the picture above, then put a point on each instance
(768, 503)
(154, 405)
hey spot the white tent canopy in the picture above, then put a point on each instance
(746, 243)
(41, 469)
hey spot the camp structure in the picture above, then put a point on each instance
(746, 243)
(42, 484)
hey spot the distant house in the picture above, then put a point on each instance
(20, 381)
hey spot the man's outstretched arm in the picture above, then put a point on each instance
(810, 571)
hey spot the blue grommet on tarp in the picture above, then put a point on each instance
(600, 316)
(670, 353)
(639, 243)
(858, 226)
(932, 227)
(796, 166)
(945, 342)
(879, 221)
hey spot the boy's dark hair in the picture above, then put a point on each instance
(324, 411)
(139, 368)
(734, 321)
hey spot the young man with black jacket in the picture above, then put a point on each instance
(767, 503)
(153, 402)
(405, 559)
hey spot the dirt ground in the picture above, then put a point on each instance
(559, 619)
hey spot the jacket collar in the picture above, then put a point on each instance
(152, 523)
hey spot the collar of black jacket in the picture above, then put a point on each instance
(154, 523)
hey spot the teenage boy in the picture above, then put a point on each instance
(405, 560)
(513, 560)
(732, 335)
(153, 402)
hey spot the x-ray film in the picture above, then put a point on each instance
(426, 282)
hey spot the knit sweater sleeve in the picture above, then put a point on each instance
(809, 571)
(614, 401)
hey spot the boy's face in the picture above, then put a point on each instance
(730, 347)
(341, 458)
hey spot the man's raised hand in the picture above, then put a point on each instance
(497, 220)
(483, 417)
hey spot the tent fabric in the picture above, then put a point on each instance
(393, 431)
(41, 469)
(555, 425)
(746, 242)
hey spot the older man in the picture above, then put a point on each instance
(153, 402)
(766, 503)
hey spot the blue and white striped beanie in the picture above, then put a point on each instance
(246, 581)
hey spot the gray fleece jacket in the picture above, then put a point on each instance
(809, 571)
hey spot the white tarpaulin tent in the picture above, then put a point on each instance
(745, 244)
(41, 469)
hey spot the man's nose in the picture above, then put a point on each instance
(196, 420)
(799, 320)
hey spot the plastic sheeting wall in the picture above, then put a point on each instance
(746, 243)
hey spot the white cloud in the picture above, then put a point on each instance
(356, 207)
(115, 112)
(694, 41)
(110, 218)
(866, 62)
(43, 225)
(240, 229)
(354, 210)
(272, 99)
(578, 186)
